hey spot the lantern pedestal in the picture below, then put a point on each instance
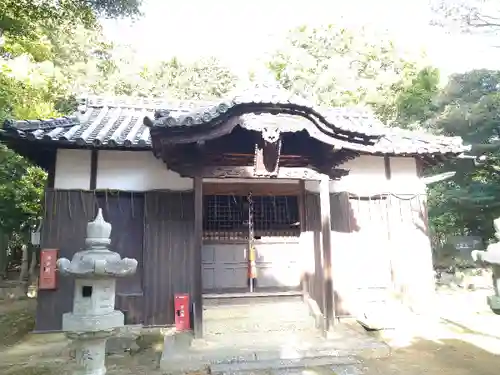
(491, 257)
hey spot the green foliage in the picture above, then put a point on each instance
(201, 79)
(414, 101)
(21, 192)
(468, 107)
(23, 18)
(335, 66)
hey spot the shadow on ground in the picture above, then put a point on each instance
(447, 357)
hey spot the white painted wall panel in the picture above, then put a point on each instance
(403, 167)
(137, 171)
(278, 265)
(367, 177)
(404, 176)
(72, 169)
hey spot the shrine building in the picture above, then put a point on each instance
(260, 193)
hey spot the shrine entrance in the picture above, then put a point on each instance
(246, 231)
(251, 242)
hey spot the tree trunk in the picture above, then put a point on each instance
(24, 264)
(3, 255)
(33, 263)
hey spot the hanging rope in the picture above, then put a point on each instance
(252, 267)
(378, 195)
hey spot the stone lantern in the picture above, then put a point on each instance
(491, 257)
(94, 318)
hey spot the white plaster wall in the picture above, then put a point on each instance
(127, 171)
(137, 171)
(141, 171)
(72, 169)
(367, 177)
(404, 176)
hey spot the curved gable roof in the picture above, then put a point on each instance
(333, 121)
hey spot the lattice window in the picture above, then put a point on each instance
(225, 217)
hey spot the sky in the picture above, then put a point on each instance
(240, 33)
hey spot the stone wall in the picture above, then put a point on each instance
(466, 278)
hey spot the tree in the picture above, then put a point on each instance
(413, 102)
(202, 79)
(469, 107)
(468, 15)
(24, 18)
(335, 66)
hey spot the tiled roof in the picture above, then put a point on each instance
(120, 123)
(266, 100)
(400, 141)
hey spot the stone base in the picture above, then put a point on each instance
(381, 315)
(92, 323)
(124, 340)
(494, 303)
(315, 312)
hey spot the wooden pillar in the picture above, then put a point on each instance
(197, 270)
(389, 199)
(302, 218)
(326, 235)
(94, 161)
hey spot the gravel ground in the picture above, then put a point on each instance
(451, 357)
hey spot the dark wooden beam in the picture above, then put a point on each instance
(326, 234)
(94, 161)
(387, 167)
(197, 259)
(51, 169)
(421, 163)
(289, 173)
(243, 189)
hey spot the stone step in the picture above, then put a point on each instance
(294, 350)
(277, 365)
(283, 310)
(253, 361)
(221, 299)
(254, 327)
(258, 318)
